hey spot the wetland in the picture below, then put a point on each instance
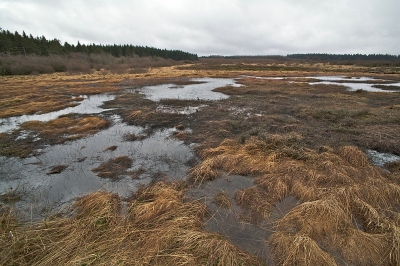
(202, 164)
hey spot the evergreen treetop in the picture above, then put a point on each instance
(15, 44)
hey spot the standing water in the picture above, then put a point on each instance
(158, 153)
(42, 190)
(90, 105)
(201, 91)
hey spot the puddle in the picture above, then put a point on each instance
(380, 159)
(225, 221)
(352, 83)
(273, 78)
(341, 78)
(90, 105)
(71, 164)
(158, 153)
(356, 83)
(203, 90)
(355, 86)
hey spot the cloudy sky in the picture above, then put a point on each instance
(209, 27)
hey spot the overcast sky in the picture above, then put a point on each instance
(209, 27)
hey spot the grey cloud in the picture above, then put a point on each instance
(215, 26)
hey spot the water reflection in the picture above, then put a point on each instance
(226, 221)
(203, 90)
(351, 83)
(90, 105)
(356, 84)
(152, 155)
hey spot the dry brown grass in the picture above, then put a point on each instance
(253, 200)
(67, 128)
(51, 92)
(394, 167)
(55, 131)
(222, 199)
(46, 93)
(299, 250)
(298, 146)
(180, 135)
(255, 157)
(159, 227)
(114, 168)
(347, 204)
(9, 148)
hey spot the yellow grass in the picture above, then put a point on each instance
(71, 128)
(158, 227)
(336, 187)
(254, 158)
(299, 250)
(49, 92)
(348, 208)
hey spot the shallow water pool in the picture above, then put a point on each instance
(41, 192)
(202, 90)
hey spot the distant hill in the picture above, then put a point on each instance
(17, 44)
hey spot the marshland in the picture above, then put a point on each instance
(218, 161)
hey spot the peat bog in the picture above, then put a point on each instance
(208, 163)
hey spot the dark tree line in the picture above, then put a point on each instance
(346, 57)
(17, 44)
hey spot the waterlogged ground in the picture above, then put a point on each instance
(61, 173)
(229, 219)
(142, 152)
(359, 83)
(89, 105)
(351, 83)
(200, 91)
(42, 191)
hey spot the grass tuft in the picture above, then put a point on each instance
(299, 249)
(346, 204)
(160, 227)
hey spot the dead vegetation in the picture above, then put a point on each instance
(47, 93)
(133, 137)
(114, 168)
(55, 131)
(9, 147)
(158, 227)
(67, 128)
(222, 199)
(295, 139)
(348, 211)
(12, 195)
(57, 169)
